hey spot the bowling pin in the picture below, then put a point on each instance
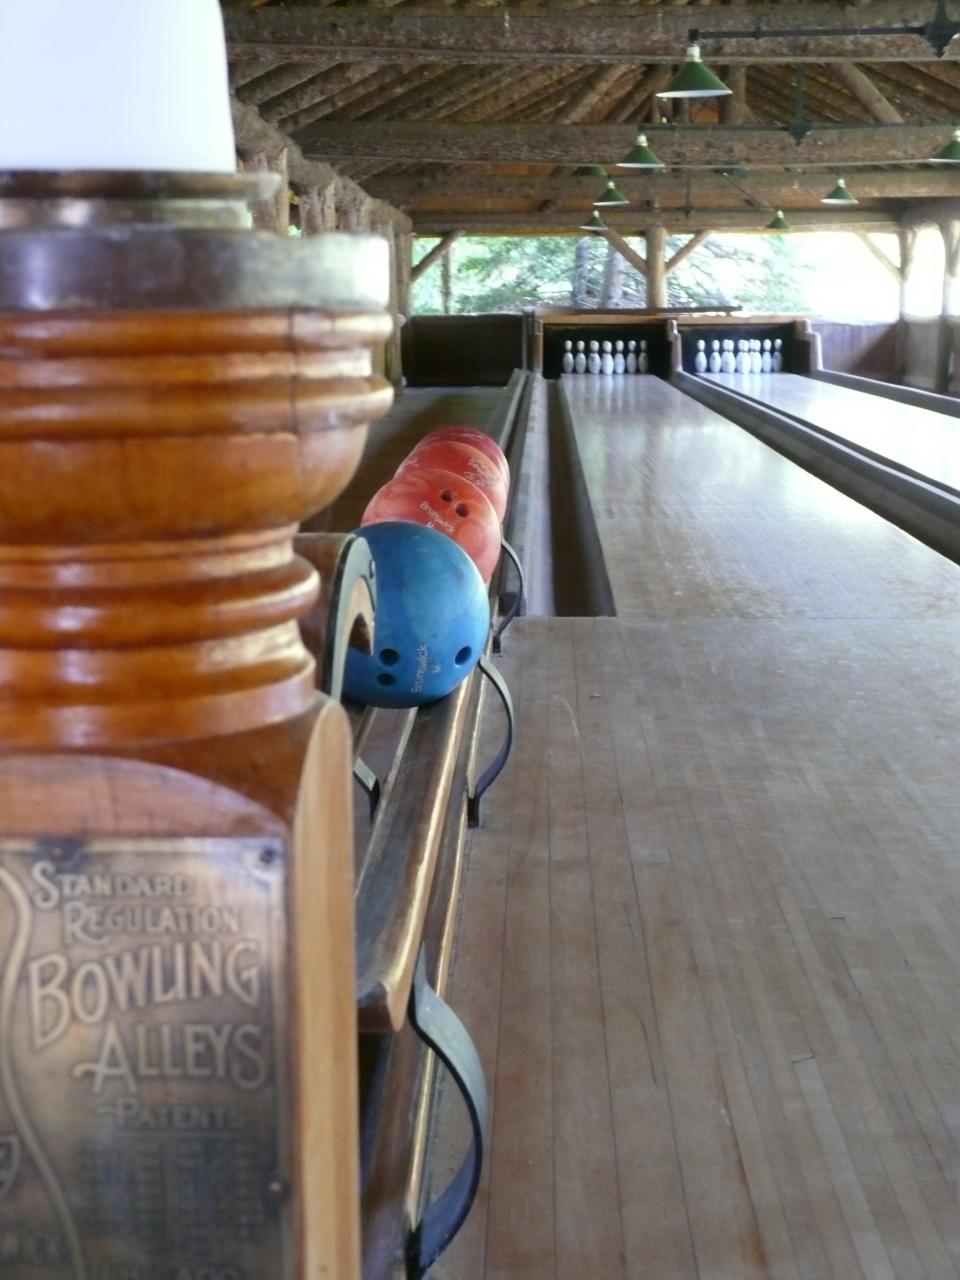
(778, 355)
(568, 356)
(700, 359)
(632, 356)
(643, 360)
(728, 361)
(715, 358)
(756, 359)
(767, 357)
(619, 361)
(593, 359)
(606, 360)
(743, 356)
(580, 360)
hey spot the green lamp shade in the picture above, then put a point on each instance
(590, 171)
(640, 156)
(778, 222)
(694, 80)
(593, 223)
(950, 154)
(840, 195)
(610, 197)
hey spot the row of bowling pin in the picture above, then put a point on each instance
(610, 359)
(751, 356)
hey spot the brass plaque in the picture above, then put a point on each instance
(143, 1091)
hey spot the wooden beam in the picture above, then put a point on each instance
(438, 251)
(497, 35)
(766, 188)
(678, 222)
(636, 260)
(866, 93)
(595, 89)
(692, 245)
(698, 146)
(334, 89)
(881, 257)
(644, 91)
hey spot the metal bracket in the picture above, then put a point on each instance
(445, 1035)
(519, 599)
(369, 782)
(493, 771)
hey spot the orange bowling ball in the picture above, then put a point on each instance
(463, 460)
(478, 439)
(445, 502)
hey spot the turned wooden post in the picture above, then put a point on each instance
(177, 1007)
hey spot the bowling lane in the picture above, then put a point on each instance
(924, 441)
(413, 415)
(698, 519)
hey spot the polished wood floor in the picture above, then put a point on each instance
(709, 946)
(924, 441)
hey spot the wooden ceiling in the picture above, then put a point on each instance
(472, 116)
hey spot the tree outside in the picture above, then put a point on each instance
(813, 273)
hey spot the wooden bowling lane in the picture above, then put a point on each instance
(698, 519)
(414, 413)
(708, 948)
(709, 956)
(925, 441)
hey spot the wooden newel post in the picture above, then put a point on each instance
(177, 1026)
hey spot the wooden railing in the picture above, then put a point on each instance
(409, 857)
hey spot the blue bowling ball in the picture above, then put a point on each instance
(432, 618)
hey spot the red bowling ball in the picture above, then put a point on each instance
(463, 460)
(446, 502)
(478, 439)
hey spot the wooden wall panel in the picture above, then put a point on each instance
(869, 350)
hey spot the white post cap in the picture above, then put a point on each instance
(114, 84)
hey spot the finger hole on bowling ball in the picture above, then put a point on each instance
(389, 658)
(386, 679)
(462, 655)
(461, 509)
(446, 495)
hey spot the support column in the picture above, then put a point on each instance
(581, 273)
(950, 306)
(612, 292)
(656, 266)
(318, 209)
(907, 237)
(273, 214)
(446, 283)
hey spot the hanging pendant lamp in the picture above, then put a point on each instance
(778, 222)
(590, 171)
(640, 156)
(695, 79)
(593, 223)
(610, 197)
(841, 196)
(950, 154)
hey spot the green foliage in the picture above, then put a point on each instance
(500, 273)
(825, 273)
